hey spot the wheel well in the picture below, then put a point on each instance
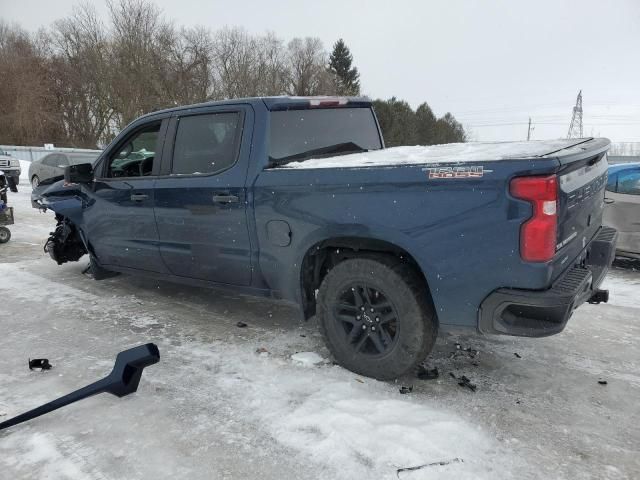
(325, 255)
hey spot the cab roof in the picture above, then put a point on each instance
(278, 103)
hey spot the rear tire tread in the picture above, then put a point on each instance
(416, 291)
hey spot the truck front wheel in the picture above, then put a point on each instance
(375, 317)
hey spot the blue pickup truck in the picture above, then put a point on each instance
(296, 198)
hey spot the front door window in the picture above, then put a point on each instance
(135, 157)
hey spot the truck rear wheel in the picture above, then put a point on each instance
(375, 317)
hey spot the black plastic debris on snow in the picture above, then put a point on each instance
(241, 325)
(123, 380)
(404, 390)
(426, 465)
(517, 355)
(41, 363)
(426, 373)
(465, 382)
(463, 352)
(602, 382)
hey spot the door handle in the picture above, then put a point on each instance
(138, 197)
(225, 198)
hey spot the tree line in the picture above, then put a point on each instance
(80, 81)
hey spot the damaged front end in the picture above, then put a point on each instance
(65, 244)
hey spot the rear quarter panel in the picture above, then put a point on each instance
(463, 233)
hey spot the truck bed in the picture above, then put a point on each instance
(451, 153)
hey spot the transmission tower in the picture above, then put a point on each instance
(575, 128)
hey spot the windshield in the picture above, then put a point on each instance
(298, 135)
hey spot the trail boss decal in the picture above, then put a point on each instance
(456, 172)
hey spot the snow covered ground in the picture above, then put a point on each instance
(266, 402)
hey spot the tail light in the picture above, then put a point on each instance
(538, 234)
(327, 101)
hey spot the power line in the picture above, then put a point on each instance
(575, 127)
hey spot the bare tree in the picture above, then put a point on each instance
(190, 62)
(271, 65)
(308, 74)
(28, 114)
(140, 40)
(81, 69)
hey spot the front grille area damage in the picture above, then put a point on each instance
(64, 244)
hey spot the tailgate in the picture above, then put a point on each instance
(582, 180)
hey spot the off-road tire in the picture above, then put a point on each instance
(401, 285)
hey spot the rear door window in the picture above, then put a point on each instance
(298, 135)
(206, 144)
(51, 160)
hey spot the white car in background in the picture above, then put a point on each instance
(53, 165)
(10, 166)
(622, 209)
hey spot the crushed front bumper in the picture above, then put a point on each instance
(539, 313)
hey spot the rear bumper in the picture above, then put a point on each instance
(539, 313)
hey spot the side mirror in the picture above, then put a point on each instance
(82, 173)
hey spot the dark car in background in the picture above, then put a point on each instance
(622, 210)
(53, 164)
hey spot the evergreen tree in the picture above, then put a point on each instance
(346, 77)
(400, 125)
(425, 125)
(397, 122)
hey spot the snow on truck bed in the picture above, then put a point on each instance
(438, 154)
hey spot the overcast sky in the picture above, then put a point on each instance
(491, 63)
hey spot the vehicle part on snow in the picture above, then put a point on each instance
(433, 464)
(427, 374)
(123, 380)
(602, 382)
(64, 244)
(404, 390)
(241, 325)
(517, 355)
(463, 352)
(41, 363)
(465, 382)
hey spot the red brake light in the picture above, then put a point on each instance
(538, 234)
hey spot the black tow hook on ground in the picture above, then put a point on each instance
(123, 380)
(599, 296)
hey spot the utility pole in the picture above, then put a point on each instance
(575, 127)
(529, 130)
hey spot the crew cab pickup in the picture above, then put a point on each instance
(296, 198)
